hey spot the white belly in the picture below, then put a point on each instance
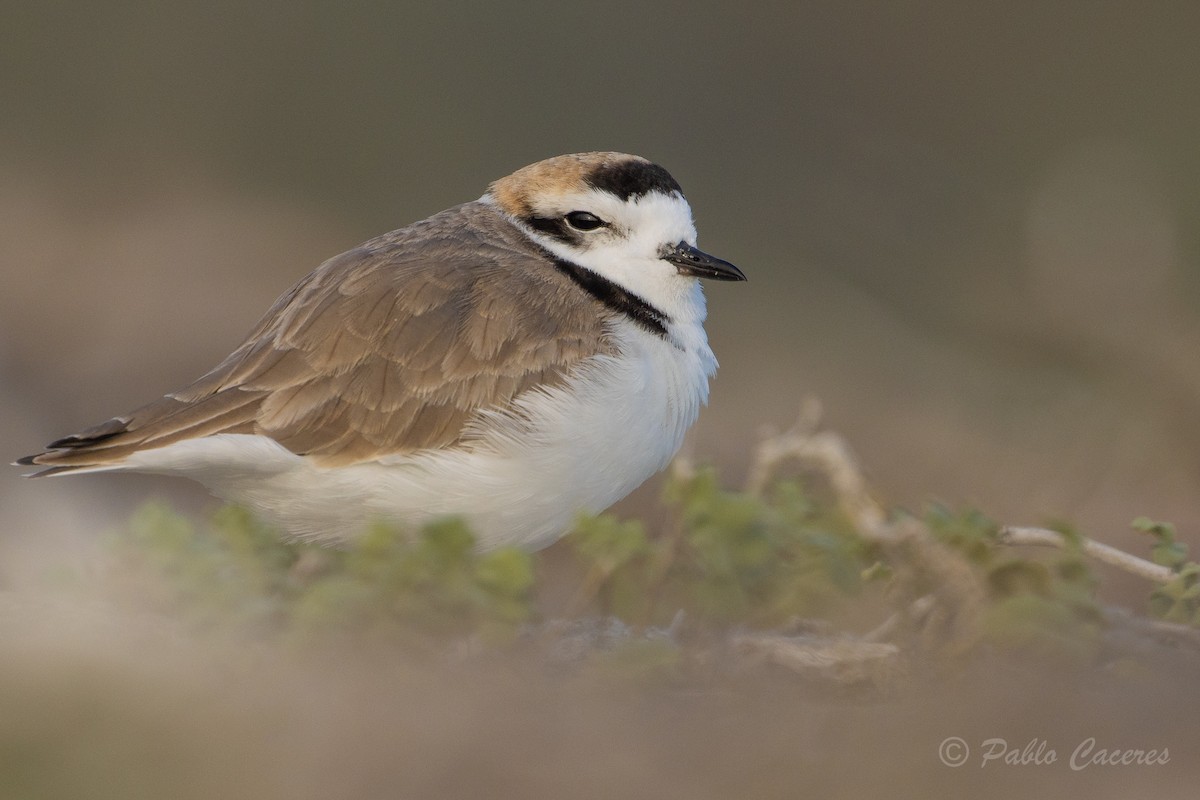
(580, 448)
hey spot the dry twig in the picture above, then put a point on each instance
(826, 451)
(1040, 537)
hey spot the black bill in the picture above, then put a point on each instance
(699, 264)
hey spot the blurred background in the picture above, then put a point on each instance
(973, 233)
(972, 230)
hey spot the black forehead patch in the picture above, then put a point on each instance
(631, 178)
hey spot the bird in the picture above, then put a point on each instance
(514, 361)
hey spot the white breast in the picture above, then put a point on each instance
(576, 448)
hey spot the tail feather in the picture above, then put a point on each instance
(107, 445)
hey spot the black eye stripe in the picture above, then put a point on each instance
(584, 221)
(555, 227)
(568, 228)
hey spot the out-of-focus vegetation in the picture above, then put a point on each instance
(1177, 600)
(782, 624)
(724, 561)
(236, 574)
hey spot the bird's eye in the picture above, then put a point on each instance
(584, 221)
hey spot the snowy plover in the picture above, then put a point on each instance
(515, 360)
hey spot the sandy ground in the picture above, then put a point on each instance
(103, 704)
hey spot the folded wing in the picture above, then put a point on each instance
(390, 348)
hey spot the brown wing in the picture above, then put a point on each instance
(389, 348)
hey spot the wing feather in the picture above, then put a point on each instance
(392, 347)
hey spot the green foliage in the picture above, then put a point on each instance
(1045, 606)
(618, 556)
(233, 573)
(387, 585)
(970, 532)
(238, 574)
(727, 557)
(1166, 551)
(1177, 600)
(723, 558)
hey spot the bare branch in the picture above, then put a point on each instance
(1042, 537)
